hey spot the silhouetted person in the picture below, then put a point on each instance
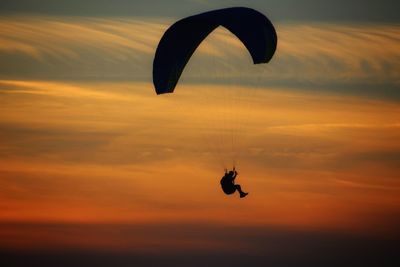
(228, 183)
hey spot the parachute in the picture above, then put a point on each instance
(227, 106)
(180, 41)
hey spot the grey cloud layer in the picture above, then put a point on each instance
(310, 10)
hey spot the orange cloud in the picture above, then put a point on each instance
(116, 152)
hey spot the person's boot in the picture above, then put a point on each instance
(243, 194)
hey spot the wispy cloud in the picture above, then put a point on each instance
(359, 58)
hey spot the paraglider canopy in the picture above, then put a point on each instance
(180, 41)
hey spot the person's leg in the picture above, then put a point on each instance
(239, 189)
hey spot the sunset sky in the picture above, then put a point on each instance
(97, 170)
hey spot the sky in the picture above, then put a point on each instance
(97, 170)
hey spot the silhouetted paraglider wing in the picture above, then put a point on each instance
(181, 40)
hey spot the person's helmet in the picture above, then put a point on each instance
(230, 173)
